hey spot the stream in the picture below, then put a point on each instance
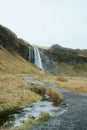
(19, 116)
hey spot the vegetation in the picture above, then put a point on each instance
(62, 79)
(31, 121)
(53, 95)
(39, 90)
(14, 91)
(78, 84)
(63, 69)
(11, 62)
(44, 117)
(28, 124)
(9, 39)
(74, 83)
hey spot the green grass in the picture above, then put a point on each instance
(70, 70)
(28, 124)
(80, 68)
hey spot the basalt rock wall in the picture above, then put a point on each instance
(57, 54)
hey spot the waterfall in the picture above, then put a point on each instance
(34, 57)
(31, 54)
(37, 58)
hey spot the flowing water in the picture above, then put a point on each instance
(17, 117)
(38, 61)
(34, 57)
(34, 110)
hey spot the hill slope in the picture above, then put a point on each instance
(11, 42)
(59, 60)
(65, 69)
(14, 91)
(13, 63)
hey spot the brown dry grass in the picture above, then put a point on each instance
(14, 91)
(62, 79)
(13, 63)
(78, 84)
(39, 89)
(54, 96)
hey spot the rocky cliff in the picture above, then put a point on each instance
(57, 54)
(10, 42)
(52, 57)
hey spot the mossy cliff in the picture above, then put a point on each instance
(56, 56)
(11, 42)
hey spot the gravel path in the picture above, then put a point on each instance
(75, 118)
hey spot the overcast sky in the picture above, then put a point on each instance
(47, 22)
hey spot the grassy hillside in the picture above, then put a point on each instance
(13, 63)
(14, 91)
(70, 70)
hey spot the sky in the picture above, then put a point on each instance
(47, 22)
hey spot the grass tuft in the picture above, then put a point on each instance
(54, 96)
(44, 117)
(39, 90)
(62, 79)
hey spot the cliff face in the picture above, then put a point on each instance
(51, 58)
(57, 54)
(11, 43)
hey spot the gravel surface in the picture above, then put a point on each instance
(75, 118)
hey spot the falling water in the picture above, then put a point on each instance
(34, 57)
(31, 54)
(38, 61)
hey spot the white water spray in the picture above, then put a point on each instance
(38, 61)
